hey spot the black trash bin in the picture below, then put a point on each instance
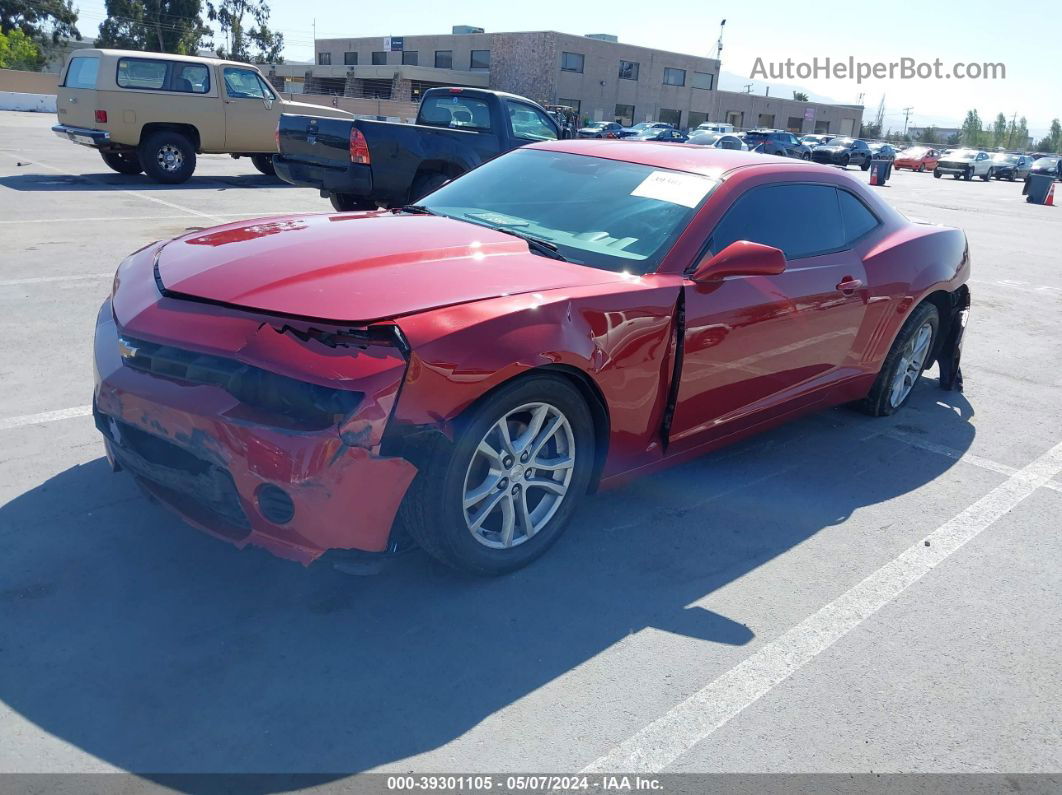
(880, 171)
(1038, 188)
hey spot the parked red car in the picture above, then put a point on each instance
(558, 320)
(917, 158)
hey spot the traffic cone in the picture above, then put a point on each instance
(1051, 196)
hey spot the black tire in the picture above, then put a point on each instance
(936, 173)
(806, 156)
(877, 403)
(845, 161)
(167, 156)
(122, 162)
(866, 164)
(957, 175)
(987, 176)
(264, 163)
(921, 168)
(1010, 177)
(967, 174)
(433, 512)
(425, 184)
(345, 203)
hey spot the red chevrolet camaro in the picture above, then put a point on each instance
(462, 371)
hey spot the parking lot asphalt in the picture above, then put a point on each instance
(773, 607)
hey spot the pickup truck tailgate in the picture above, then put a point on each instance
(315, 139)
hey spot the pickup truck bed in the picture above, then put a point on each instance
(363, 164)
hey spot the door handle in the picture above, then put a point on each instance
(849, 285)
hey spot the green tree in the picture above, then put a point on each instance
(19, 51)
(870, 130)
(1056, 135)
(929, 136)
(154, 25)
(245, 30)
(800, 96)
(999, 130)
(44, 21)
(953, 140)
(971, 132)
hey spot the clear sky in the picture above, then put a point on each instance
(976, 31)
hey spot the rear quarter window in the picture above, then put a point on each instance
(858, 220)
(141, 73)
(82, 72)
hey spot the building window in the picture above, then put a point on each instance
(324, 59)
(735, 118)
(795, 123)
(674, 77)
(765, 120)
(628, 70)
(350, 59)
(672, 117)
(571, 62)
(696, 119)
(444, 59)
(625, 115)
(409, 57)
(574, 104)
(379, 58)
(703, 80)
(480, 59)
(376, 89)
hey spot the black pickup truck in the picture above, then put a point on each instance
(362, 164)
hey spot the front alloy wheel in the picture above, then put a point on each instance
(519, 475)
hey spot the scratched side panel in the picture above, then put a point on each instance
(619, 335)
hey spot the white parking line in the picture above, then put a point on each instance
(685, 725)
(117, 189)
(46, 279)
(44, 416)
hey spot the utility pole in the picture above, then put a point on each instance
(1012, 129)
(906, 116)
(748, 88)
(719, 41)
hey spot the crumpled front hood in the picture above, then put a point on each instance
(357, 268)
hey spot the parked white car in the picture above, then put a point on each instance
(717, 127)
(965, 163)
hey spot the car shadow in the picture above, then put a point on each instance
(48, 182)
(160, 650)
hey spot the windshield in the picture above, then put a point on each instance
(1003, 157)
(603, 213)
(641, 125)
(1045, 163)
(915, 151)
(593, 124)
(962, 154)
(841, 142)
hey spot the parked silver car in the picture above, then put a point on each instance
(965, 163)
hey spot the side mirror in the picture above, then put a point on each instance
(267, 102)
(740, 258)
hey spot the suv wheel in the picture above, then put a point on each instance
(345, 203)
(122, 162)
(167, 156)
(264, 163)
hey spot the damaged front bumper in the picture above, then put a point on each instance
(222, 439)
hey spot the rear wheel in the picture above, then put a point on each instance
(967, 174)
(122, 162)
(264, 163)
(904, 365)
(936, 173)
(425, 184)
(503, 493)
(921, 167)
(845, 161)
(866, 164)
(345, 203)
(167, 156)
(987, 175)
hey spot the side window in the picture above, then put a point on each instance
(442, 110)
(858, 220)
(81, 73)
(530, 124)
(802, 220)
(141, 73)
(193, 78)
(244, 84)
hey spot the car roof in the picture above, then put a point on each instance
(678, 157)
(165, 56)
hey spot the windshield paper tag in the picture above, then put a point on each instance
(673, 187)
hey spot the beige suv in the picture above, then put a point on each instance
(153, 112)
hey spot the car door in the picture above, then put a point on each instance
(251, 111)
(758, 346)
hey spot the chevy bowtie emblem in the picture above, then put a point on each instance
(127, 348)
